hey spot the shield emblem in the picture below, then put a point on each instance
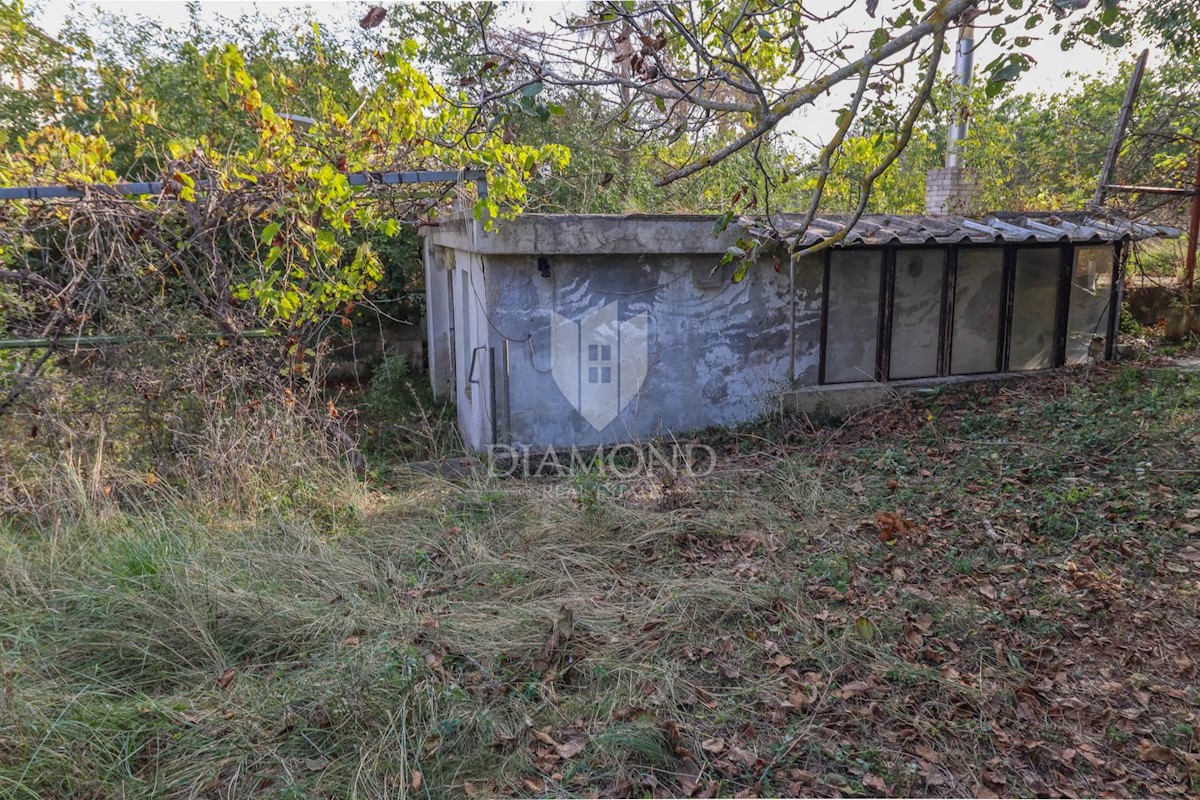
(599, 362)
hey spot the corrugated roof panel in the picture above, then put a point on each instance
(878, 229)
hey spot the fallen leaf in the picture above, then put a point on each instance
(571, 747)
(780, 661)
(543, 737)
(226, 678)
(743, 757)
(417, 778)
(714, 746)
(853, 689)
(988, 591)
(688, 774)
(560, 632)
(932, 756)
(1149, 751)
(316, 764)
(993, 778)
(891, 525)
(866, 629)
(535, 785)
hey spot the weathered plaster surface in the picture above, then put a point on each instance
(717, 353)
(716, 356)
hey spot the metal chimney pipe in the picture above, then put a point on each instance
(964, 60)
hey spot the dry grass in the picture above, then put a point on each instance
(1027, 629)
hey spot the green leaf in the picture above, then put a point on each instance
(743, 267)
(722, 223)
(998, 34)
(879, 39)
(532, 90)
(866, 629)
(268, 234)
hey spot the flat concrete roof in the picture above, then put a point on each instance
(688, 234)
(583, 234)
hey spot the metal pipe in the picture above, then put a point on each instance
(964, 61)
(156, 187)
(104, 340)
(1114, 147)
(1119, 187)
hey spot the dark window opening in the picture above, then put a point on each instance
(902, 313)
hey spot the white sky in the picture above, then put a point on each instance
(1052, 72)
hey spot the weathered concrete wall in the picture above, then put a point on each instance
(438, 274)
(717, 353)
(713, 352)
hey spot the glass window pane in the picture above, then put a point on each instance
(1091, 288)
(916, 313)
(978, 288)
(1035, 301)
(852, 324)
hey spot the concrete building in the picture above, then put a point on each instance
(559, 330)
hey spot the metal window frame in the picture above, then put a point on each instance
(946, 318)
(1009, 250)
(1116, 298)
(887, 297)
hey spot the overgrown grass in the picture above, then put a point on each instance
(1028, 627)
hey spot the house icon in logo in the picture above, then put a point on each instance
(600, 362)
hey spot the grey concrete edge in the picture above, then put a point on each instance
(584, 234)
(842, 398)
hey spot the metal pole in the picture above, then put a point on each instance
(107, 340)
(1114, 147)
(1167, 190)
(964, 58)
(1189, 278)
